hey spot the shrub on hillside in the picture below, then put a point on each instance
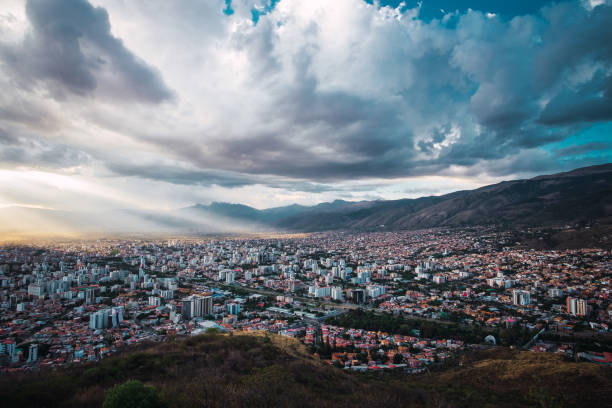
(133, 394)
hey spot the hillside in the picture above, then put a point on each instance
(582, 195)
(266, 370)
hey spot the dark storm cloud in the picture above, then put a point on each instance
(207, 177)
(571, 43)
(514, 64)
(592, 102)
(496, 70)
(16, 112)
(399, 97)
(368, 133)
(7, 137)
(573, 35)
(177, 175)
(27, 150)
(71, 48)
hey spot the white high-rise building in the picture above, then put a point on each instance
(336, 293)
(374, 291)
(154, 301)
(196, 306)
(106, 318)
(230, 277)
(36, 289)
(521, 297)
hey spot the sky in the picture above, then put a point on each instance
(156, 104)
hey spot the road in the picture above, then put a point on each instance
(533, 339)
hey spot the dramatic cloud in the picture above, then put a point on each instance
(71, 48)
(19, 151)
(273, 102)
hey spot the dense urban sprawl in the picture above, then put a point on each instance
(362, 301)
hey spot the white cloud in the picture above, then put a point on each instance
(315, 99)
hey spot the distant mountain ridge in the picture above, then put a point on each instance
(581, 195)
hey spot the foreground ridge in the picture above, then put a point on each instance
(268, 370)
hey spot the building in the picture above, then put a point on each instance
(465, 274)
(439, 279)
(500, 281)
(293, 285)
(230, 277)
(363, 276)
(154, 301)
(196, 306)
(36, 289)
(90, 296)
(33, 353)
(105, 318)
(233, 308)
(521, 297)
(422, 275)
(166, 294)
(205, 305)
(7, 347)
(320, 292)
(336, 293)
(577, 307)
(358, 296)
(116, 316)
(187, 307)
(374, 291)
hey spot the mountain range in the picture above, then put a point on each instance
(580, 196)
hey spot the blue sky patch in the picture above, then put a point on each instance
(228, 10)
(435, 9)
(262, 11)
(594, 143)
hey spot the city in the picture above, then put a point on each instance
(305, 203)
(76, 302)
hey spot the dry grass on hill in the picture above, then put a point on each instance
(258, 369)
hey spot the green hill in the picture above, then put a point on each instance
(258, 370)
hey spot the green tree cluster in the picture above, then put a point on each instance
(133, 394)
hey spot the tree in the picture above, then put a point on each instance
(132, 394)
(362, 357)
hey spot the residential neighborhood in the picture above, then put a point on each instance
(433, 293)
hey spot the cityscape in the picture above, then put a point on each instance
(305, 203)
(442, 291)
